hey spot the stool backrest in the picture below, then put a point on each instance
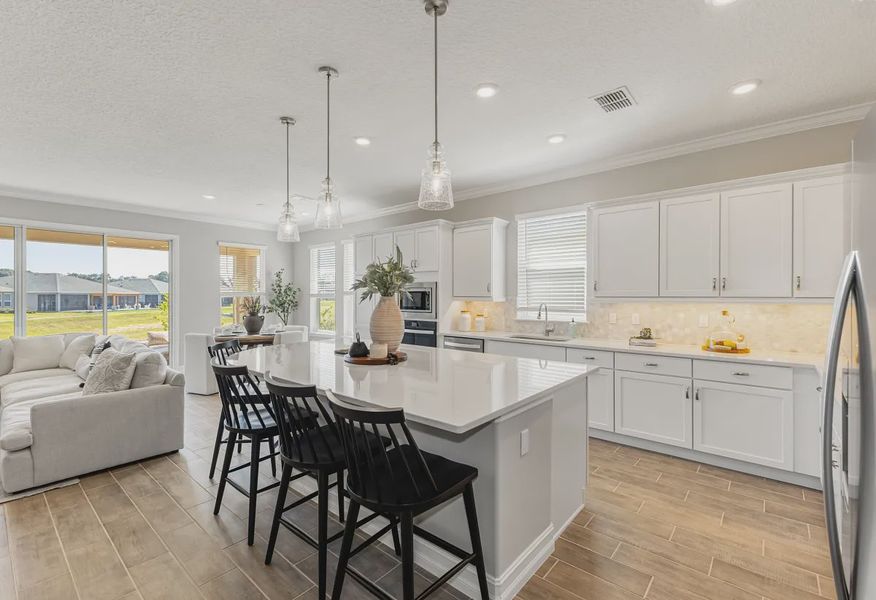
(365, 460)
(242, 400)
(298, 410)
(222, 351)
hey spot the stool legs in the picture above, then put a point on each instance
(346, 546)
(474, 531)
(322, 535)
(285, 477)
(253, 488)
(407, 557)
(216, 445)
(226, 464)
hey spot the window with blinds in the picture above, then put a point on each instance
(552, 265)
(349, 296)
(241, 270)
(322, 288)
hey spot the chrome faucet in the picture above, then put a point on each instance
(548, 329)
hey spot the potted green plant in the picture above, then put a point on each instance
(284, 298)
(387, 279)
(252, 309)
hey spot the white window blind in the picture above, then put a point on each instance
(322, 271)
(349, 278)
(241, 270)
(552, 264)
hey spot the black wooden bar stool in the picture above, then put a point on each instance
(401, 482)
(221, 352)
(246, 414)
(313, 447)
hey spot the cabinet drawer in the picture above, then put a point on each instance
(747, 374)
(646, 363)
(597, 358)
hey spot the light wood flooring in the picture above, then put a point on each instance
(655, 527)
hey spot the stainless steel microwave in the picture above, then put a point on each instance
(421, 301)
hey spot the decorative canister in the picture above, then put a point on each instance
(480, 323)
(463, 322)
(378, 350)
(387, 324)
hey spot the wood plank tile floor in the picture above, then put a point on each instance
(654, 527)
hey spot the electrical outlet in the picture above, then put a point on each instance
(635, 318)
(704, 320)
(524, 442)
(612, 318)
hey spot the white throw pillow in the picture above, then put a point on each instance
(34, 353)
(112, 372)
(83, 367)
(83, 344)
(5, 356)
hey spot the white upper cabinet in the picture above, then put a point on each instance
(407, 243)
(479, 260)
(363, 253)
(625, 242)
(384, 246)
(690, 245)
(756, 242)
(820, 236)
(428, 253)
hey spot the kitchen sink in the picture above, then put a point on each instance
(543, 338)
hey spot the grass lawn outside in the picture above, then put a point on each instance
(132, 324)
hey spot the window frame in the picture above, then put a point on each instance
(314, 298)
(530, 313)
(263, 276)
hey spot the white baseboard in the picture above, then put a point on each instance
(437, 561)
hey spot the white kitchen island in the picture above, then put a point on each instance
(522, 422)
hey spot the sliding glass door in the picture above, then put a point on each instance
(7, 281)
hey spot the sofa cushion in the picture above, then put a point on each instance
(112, 372)
(5, 356)
(43, 387)
(39, 352)
(5, 380)
(82, 345)
(83, 367)
(150, 366)
(15, 428)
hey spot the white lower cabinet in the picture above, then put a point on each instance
(747, 423)
(600, 400)
(653, 407)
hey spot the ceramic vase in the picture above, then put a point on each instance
(253, 324)
(387, 324)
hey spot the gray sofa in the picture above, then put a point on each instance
(49, 431)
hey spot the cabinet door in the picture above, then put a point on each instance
(472, 261)
(756, 242)
(600, 400)
(384, 246)
(363, 249)
(625, 250)
(427, 249)
(689, 245)
(820, 236)
(653, 407)
(744, 422)
(407, 243)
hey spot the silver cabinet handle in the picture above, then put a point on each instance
(714, 283)
(741, 373)
(697, 394)
(488, 288)
(420, 331)
(458, 345)
(798, 281)
(723, 283)
(589, 358)
(652, 364)
(595, 285)
(687, 392)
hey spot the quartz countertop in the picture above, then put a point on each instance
(765, 357)
(447, 389)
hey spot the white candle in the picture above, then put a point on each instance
(378, 350)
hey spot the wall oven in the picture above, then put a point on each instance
(421, 304)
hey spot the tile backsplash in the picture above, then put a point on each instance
(767, 326)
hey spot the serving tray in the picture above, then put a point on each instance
(367, 360)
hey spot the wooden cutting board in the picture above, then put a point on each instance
(367, 360)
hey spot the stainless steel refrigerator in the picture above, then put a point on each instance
(848, 393)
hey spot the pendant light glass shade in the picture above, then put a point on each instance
(287, 228)
(436, 191)
(328, 206)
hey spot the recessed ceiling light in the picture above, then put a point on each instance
(720, 2)
(486, 90)
(362, 141)
(208, 197)
(744, 87)
(260, 203)
(557, 138)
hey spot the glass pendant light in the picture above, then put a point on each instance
(436, 192)
(287, 230)
(328, 206)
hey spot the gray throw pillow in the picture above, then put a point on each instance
(112, 372)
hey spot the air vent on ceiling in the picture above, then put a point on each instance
(616, 99)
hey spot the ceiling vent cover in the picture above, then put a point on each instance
(614, 100)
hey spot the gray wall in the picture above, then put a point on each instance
(198, 274)
(816, 147)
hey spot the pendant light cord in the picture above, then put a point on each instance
(328, 122)
(435, 13)
(287, 166)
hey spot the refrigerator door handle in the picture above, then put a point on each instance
(834, 339)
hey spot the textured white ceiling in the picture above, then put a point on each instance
(156, 103)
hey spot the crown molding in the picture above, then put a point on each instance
(72, 200)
